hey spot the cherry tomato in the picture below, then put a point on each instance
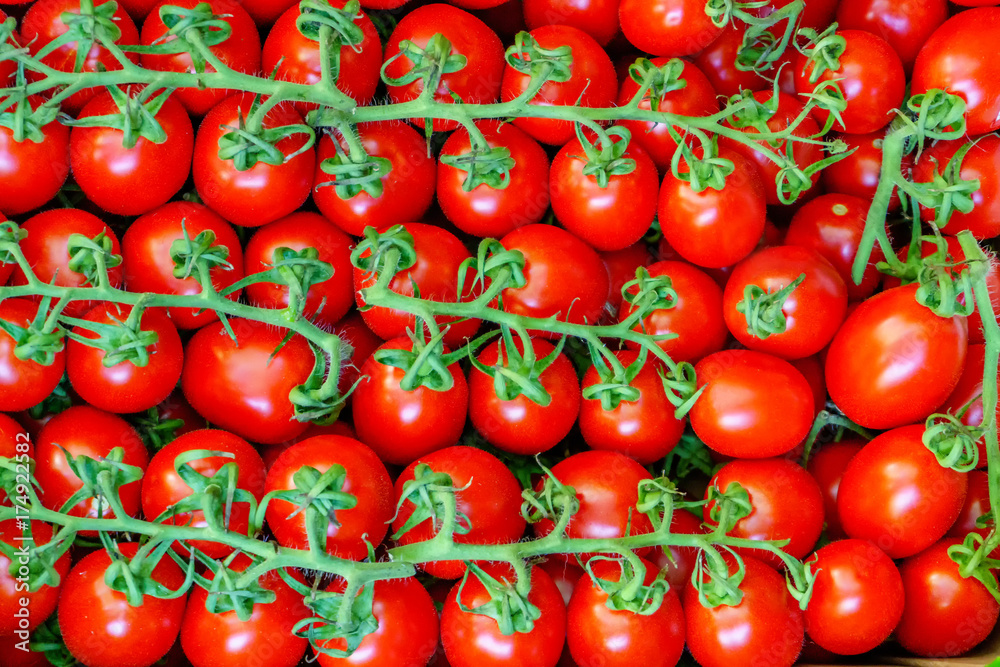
(15, 443)
(904, 24)
(24, 383)
(968, 395)
(827, 467)
(667, 27)
(21, 609)
(32, 173)
(718, 62)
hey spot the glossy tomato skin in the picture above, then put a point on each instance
(968, 395)
(88, 608)
(827, 467)
(24, 383)
(977, 503)
(14, 597)
(894, 361)
(487, 494)
(326, 302)
(667, 27)
(904, 24)
(32, 173)
(895, 494)
(243, 385)
(946, 614)
(148, 267)
(717, 62)
(754, 405)
(353, 330)
(597, 18)
(366, 479)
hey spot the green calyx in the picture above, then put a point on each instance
(354, 171)
(298, 270)
(18, 116)
(424, 365)
(40, 340)
(189, 254)
(134, 577)
(823, 49)
(384, 254)
(716, 582)
(953, 444)
(608, 160)
(319, 399)
(185, 26)
(41, 560)
(92, 257)
(493, 266)
(508, 606)
(340, 22)
(518, 372)
(100, 480)
(431, 494)
(320, 496)
(708, 171)
(948, 192)
(529, 57)
(485, 165)
(552, 501)
(764, 310)
(47, 639)
(615, 380)
(647, 293)
(136, 117)
(630, 593)
(657, 499)
(658, 80)
(91, 26)
(227, 594)
(727, 508)
(249, 142)
(156, 432)
(342, 618)
(121, 342)
(214, 495)
(973, 557)
(429, 63)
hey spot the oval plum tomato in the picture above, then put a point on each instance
(696, 98)
(563, 276)
(895, 494)
(223, 640)
(24, 383)
(32, 173)
(813, 311)
(827, 467)
(904, 24)
(859, 171)
(296, 57)
(407, 190)
(14, 596)
(326, 302)
(488, 211)
(129, 635)
(478, 82)
(607, 488)
(597, 18)
(125, 386)
(407, 631)
(754, 405)
(667, 27)
(611, 217)
(521, 426)
(592, 82)
(679, 562)
(240, 52)
(977, 504)
(474, 640)
(439, 255)
(85, 431)
(149, 268)
(857, 599)
(894, 361)
(622, 638)
(718, 62)
(786, 505)
(242, 385)
(644, 428)
(401, 425)
(364, 477)
(264, 192)
(621, 266)
(766, 627)
(131, 180)
(487, 497)
(966, 401)
(163, 487)
(43, 23)
(47, 250)
(353, 330)
(946, 613)
(696, 317)
(715, 228)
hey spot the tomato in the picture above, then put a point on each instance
(563, 276)
(895, 494)
(89, 609)
(718, 62)
(946, 614)
(353, 330)
(608, 218)
(679, 562)
(439, 255)
(487, 495)
(597, 18)
(131, 181)
(904, 24)
(14, 441)
(476, 83)
(813, 311)
(32, 173)
(621, 266)
(492, 212)
(592, 83)
(857, 599)
(85, 431)
(327, 301)
(125, 386)
(407, 190)
(47, 250)
(240, 52)
(401, 425)
(812, 370)
(271, 454)
(715, 228)
(365, 478)
(957, 57)
(827, 467)
(24, 383)
(474, 640)
(162, 487)
(19, 608)
(243, 385)
(520, 425)
(623, 638)
(667, 27)
(859, 172)
(564, 575)
(977, 503)
(894, 361)
(149, 268)
(766, 627)
(968, 395)
(754, 405)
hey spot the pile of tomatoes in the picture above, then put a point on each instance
(843, 420)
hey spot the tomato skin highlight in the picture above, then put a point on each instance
(667, 27)
(13, 597)
(31, 174)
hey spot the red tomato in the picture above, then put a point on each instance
(353, 330)
(968, 395)
(264, 12)
(904, 24)
(20, 609)
(621, 266)
(977, 503)
(564, 575)
(31, 174)
(679, 562)
(718, 62)
(894, 361)
(271, 454)
(14, 441)
(858, 173)
(827, 467)
(895, 494)
(812, 370)
(667, 27)
(24, 383)
(597, 18)
(146, 256)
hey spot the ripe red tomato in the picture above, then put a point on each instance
(895, 494)
(19, 608)
(24, 383)
(89, 609)
(718, 62)
(812, 370)
(148, 267)
(754, 405)
(353, 330)
(14, 440)
(894, 361)
(487, 495)
(968, 395)
(827, 467)
(977, 503)
(365, 478)
(667, 27)
(621, 266)
(904, 24)
(679, 562)
(31, 174)
(597, 18)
